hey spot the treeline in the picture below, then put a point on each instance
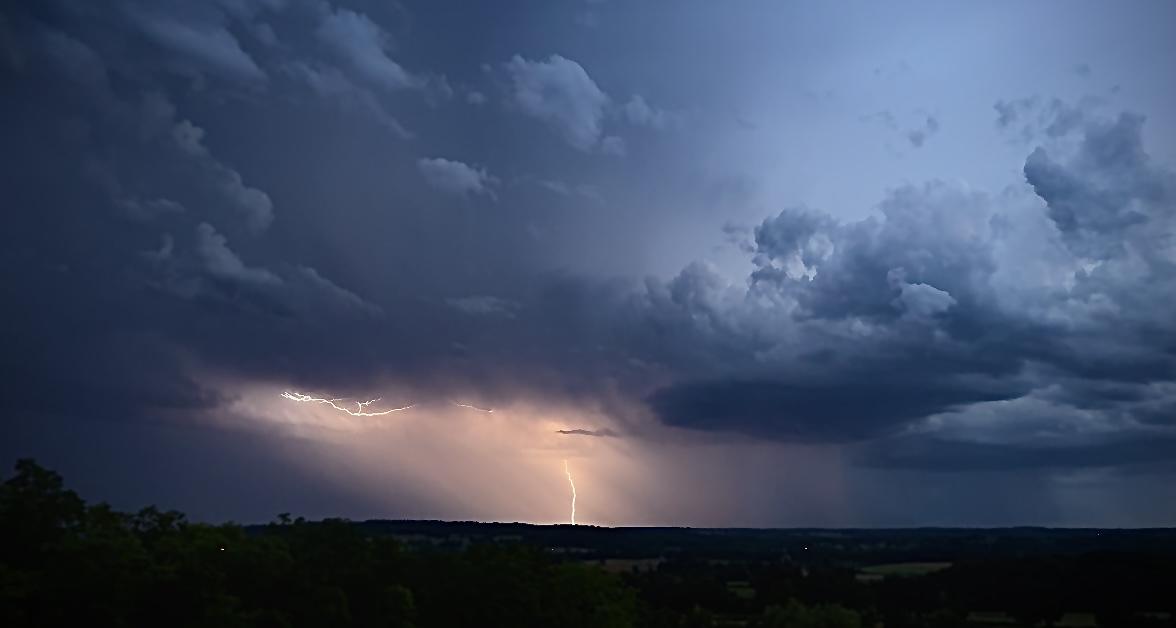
(818, 547)
(66, 563)
(1120, 589)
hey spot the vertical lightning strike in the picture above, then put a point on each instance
(573, 485)
(297, 396)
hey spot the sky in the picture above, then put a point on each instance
(759, 264)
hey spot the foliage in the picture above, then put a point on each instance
(797, 615)
(66, 563)
(63, 563)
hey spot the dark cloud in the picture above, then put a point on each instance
(604, 433)
(853, 330)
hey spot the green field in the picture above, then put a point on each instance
(741, 589)
(1068, 620)
(904, 569)
(1077, 620)
(990, 618)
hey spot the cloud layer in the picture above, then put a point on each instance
(213, 203)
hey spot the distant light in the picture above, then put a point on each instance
(222, 549)
(806, 548)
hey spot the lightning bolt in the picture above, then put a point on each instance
(361, 406)
(462, 405)
(573, 485)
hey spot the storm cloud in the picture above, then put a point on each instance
(211, 203)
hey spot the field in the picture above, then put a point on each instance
(1068, 620)
(903, 569)
(623, 565)
(741, 589)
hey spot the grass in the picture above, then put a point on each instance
(904, 569)
(990, 618)
(1077, 620)
(627, 565)
(741, 589)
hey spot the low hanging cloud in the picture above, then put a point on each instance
(602, 433)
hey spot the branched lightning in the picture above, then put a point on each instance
(361, 405)
(462, 405)
(573, 485)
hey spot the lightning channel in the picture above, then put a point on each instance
(573, 485)
(361, 406)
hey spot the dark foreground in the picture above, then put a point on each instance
(65, 563)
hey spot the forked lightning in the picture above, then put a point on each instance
(360, 405)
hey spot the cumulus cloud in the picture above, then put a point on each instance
(219, 261)
(333, 86)
(455, 177)
(559, 92)
(640, 113)
(860, 330)
(365, 46)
